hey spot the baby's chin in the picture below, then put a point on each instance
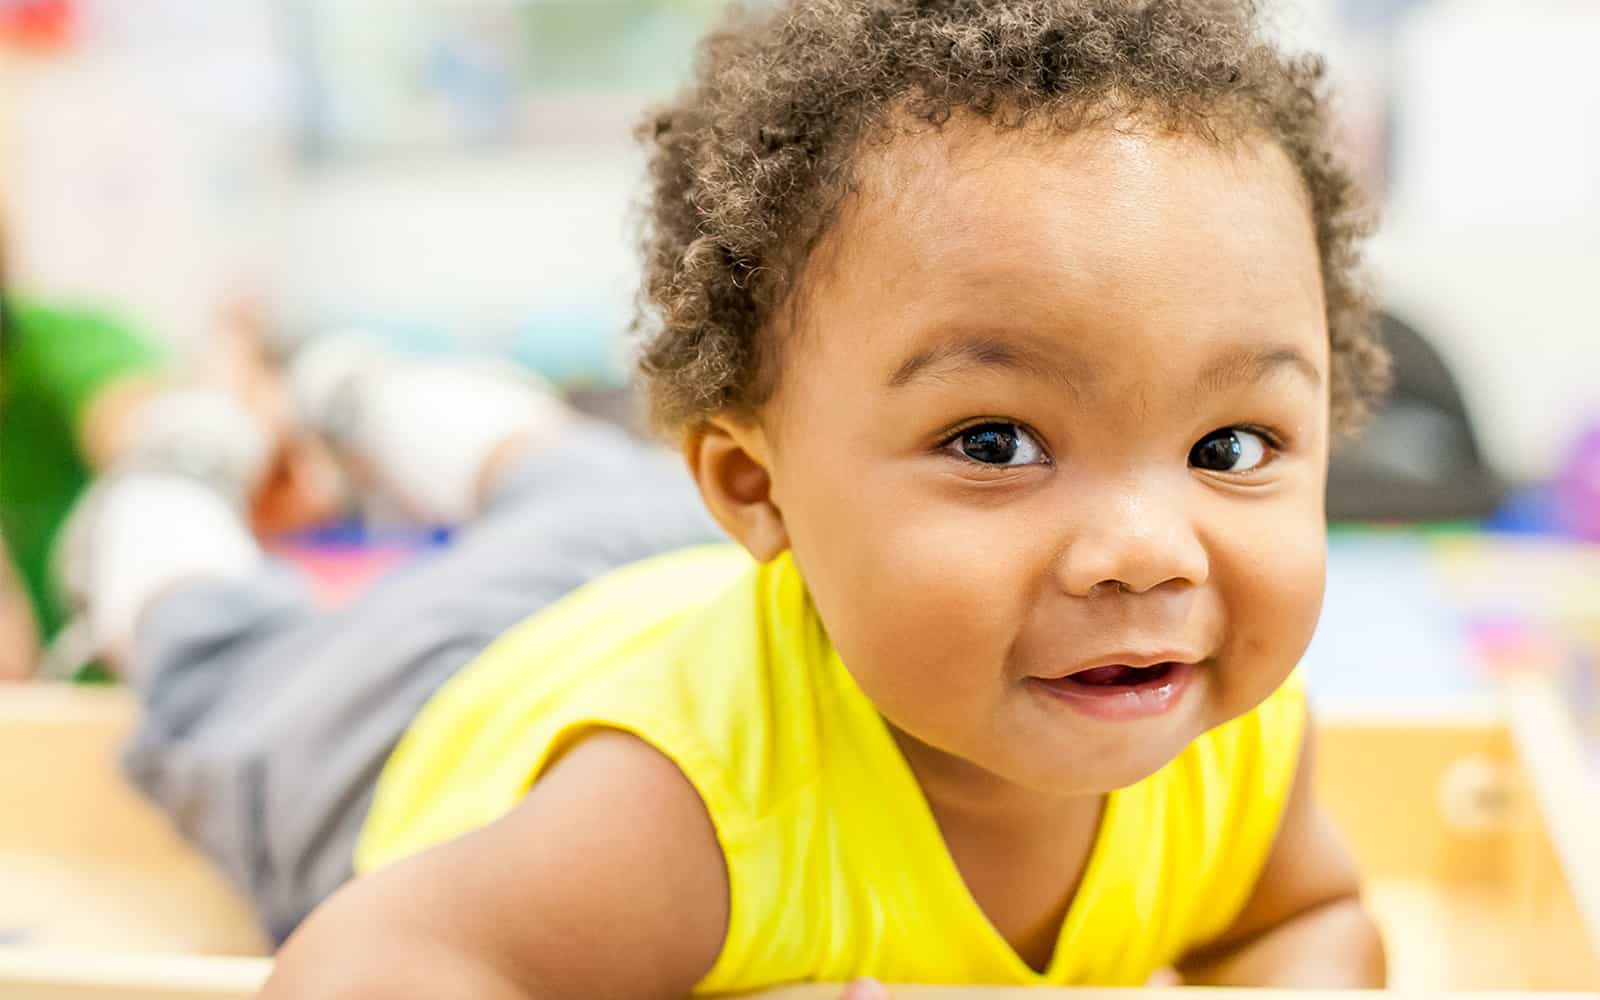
(1055, 757)
(1083, 776)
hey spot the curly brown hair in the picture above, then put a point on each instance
(749, 163)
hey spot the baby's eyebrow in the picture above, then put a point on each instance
(1247, 364)
(978, 350)
(1257, 363)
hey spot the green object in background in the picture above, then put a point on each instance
(1431, 529)
(53, 362)
(646, 46)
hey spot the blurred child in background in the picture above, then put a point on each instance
(69, 384)
(238, 664)
(81, 392)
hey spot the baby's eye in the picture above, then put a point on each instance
(1231, 449)
(997, 444)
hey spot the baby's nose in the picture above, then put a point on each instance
(1134, 545)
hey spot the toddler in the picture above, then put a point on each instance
(1007, 341)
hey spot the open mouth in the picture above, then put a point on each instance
(1120, 692)
(1120, 676)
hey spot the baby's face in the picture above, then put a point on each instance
(1051, 406)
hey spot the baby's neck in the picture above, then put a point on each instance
(1021, 853)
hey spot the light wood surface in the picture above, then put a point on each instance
(1566, 791)
(1382, 780)
(85, 862)
(66, 976)
(92, 875)
(1460, 872)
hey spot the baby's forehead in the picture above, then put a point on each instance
(1037, 255)
(909, 167)
(942, 213)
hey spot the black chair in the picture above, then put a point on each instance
(1418, 459)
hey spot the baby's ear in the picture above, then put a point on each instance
(730, 460)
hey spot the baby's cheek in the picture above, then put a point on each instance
(1277, 614)
(924, 615)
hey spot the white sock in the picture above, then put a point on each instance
(426, 430)
(146, 533)
(429, 432)
(203, 433)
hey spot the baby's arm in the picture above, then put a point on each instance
(606, 882)
(1304, 924)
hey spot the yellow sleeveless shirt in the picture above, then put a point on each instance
(836, 867)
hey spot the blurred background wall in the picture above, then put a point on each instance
(461, 171)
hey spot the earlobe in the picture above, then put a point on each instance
(729, 460)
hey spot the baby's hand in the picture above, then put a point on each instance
(865, 989)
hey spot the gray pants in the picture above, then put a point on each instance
(266, 720)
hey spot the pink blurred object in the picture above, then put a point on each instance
(1577, 488)
(338, 572)
(1506, 644)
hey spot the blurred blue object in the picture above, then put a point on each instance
(1527, 511)
(1374, 15)
(1569, 507)
(354, 533)
(571, 347)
